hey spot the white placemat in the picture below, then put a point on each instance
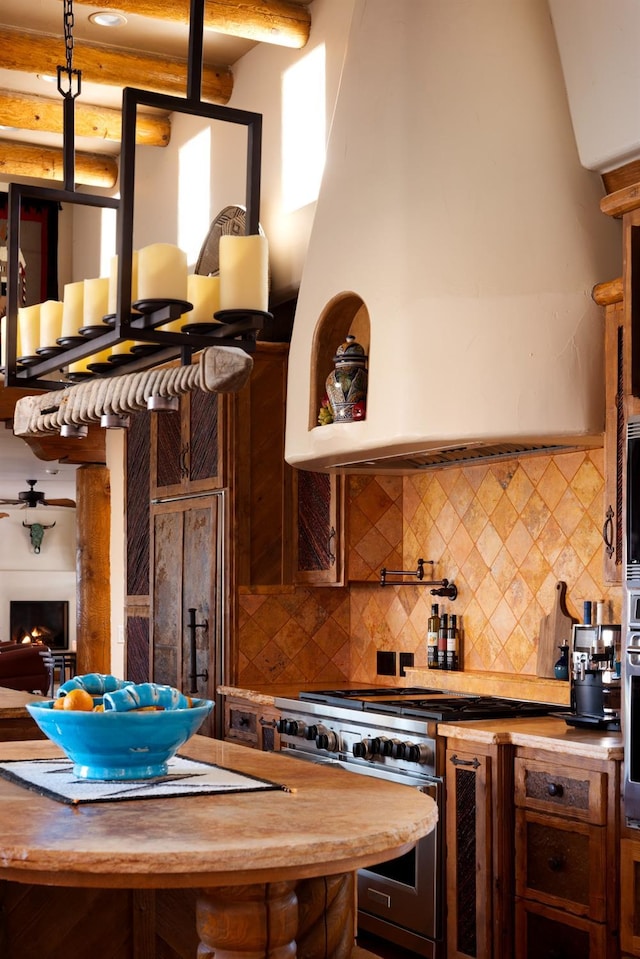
(185, 777)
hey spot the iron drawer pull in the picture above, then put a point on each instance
(330, 542)
(465, 762)
(555, 789)
(271, 723)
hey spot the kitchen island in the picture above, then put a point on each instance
(245, 853)
(15, 721)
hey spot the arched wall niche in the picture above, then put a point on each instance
(345, 313)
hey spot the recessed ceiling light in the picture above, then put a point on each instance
(104, 18)
(47, 77)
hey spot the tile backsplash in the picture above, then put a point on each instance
(504, 532)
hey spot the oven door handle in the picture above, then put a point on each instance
(464, 762)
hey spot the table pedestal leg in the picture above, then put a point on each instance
(248, 922)
(326, 924)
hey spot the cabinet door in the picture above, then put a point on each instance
(543, 933)
(561, 863)
(168, 453)
(469, 839)
(203, 412)
(186, 575)
(186, 446)
(318, 539)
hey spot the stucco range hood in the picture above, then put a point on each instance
(455, 217)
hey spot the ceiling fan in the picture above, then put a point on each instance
(30, 498)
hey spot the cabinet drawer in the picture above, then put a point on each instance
(548, 787)
(543, 933)
(561, 863)
(241, 725)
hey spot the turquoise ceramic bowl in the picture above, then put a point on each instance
(119, 745)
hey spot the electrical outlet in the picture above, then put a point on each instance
(406, 659)
(385, 663)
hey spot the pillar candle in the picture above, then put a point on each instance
(29, 325)
(244, 272)
(95, 300)
(162, 273)
(82, 366)
(112, 304)
(72, 311)
(204, 293)
(50, 322)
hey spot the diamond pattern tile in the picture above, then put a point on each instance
(505, 533)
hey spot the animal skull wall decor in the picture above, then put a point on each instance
(36, 533)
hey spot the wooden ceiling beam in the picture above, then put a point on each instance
(46, 163)
(278, 22)
(45, 116)
(20, 50)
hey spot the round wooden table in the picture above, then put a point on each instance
(246, 852)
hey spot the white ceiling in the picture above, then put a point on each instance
(18, 464)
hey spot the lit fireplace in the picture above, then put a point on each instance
(41, 621)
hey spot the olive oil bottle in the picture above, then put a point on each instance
(433, 626)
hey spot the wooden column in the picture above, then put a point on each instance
(93, 599)
(248, 922)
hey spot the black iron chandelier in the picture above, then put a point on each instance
(139, 321)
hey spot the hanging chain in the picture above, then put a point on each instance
(68, 21)
(68, 34)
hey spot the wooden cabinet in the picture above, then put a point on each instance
(630, 892)
(251, 724)
(318, 538)
(479, 850)
(567, 828)
(187, 446)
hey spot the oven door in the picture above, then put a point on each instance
(402, 899)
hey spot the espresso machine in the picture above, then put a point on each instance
(595, 676)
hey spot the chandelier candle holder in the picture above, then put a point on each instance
(148, 294)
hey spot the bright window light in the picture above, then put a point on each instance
(107, 240)
(304, 130)
(194, 160)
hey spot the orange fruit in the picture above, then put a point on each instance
(78, 699)
(58, 703)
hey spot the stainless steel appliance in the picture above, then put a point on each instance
(595, 676)
(392, 734)
(631, 712)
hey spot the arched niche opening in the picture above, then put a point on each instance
(346, 313)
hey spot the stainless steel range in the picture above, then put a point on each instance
(392, 734)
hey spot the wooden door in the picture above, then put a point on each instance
(186, 575)
(318, 539)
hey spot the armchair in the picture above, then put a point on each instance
(26, 667)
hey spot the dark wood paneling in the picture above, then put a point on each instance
(137, 504)
(138, 649)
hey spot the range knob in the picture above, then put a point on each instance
(327, 740)
(363, 749)
(398, 749)
(290, 727)
(415, 753)
(310, 732)
(381, 746)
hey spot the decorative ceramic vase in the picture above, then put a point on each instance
(561, 668)
(347, 385)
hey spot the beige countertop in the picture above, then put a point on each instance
(541, 732)
(325, 822)
(265, 695)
